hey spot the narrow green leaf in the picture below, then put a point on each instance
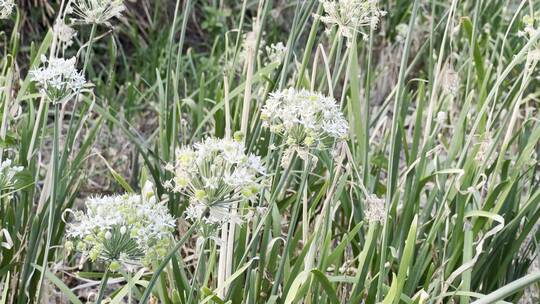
(56, 281)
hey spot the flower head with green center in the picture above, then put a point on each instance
(351, 15)
(58, 79)
(64, 33)
(374, 209)
(532, 25)
(6, 8)
(7, 173)
(96, 11)
(305, 119)
(214, 174)
(276, 52)
(128, 231)
(531, 30)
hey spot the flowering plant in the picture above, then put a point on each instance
(58, 79)
(351, 15)
(6, 8)
(214, 174)
(128, 231)
(303, 118)
(96, 11)
(7, 173)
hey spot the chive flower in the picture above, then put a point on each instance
(214, 174)
(6, 8)
(58, 79)
(64, 33)
(351, 16)
(96, 11)
(127, 231)
(304, 119)
(8, 173)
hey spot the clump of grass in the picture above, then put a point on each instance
(359, 151)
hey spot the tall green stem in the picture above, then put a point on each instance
(89, 48)
(87, 59)
(366, 118)
(196, 272)
(103, 285)
(292, 227)
(146, 296)
(395, 147)
(52, 199)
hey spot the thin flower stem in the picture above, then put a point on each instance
(224, 247)
(87, 60)
(366, 117)
(305, 215)
(394, 153)
(148, 292)
(196, 272)
(292, 227)
(228, 128)
(42, 104)
(52, 199)
(103, 285)
(128, 283)
(7, 100)
(325, 211)
(251, 45)
(89, 48)
(230, 241)
(309, 47)
(222, 263)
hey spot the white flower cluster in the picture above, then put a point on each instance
(96, 11)
(64, 33)
(305, 119)
(532, 28)
(374, 209)
(6, 8)
(402, 29)
(214, 174)
(351, 15)
(485, 143)
(450, 81)
(276, 52)
(58, 79)
(128, 231)
(7, 173)
(239, 62)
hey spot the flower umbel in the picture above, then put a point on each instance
(6, 8)
(276, 52)
(7, 173)
(64, 33)
(126, 230)
(304, 119)
(374, 209)
(214, 174)
(96, 11)
(532, 28)
(351, 15)
(450, 80)
(58, 79)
